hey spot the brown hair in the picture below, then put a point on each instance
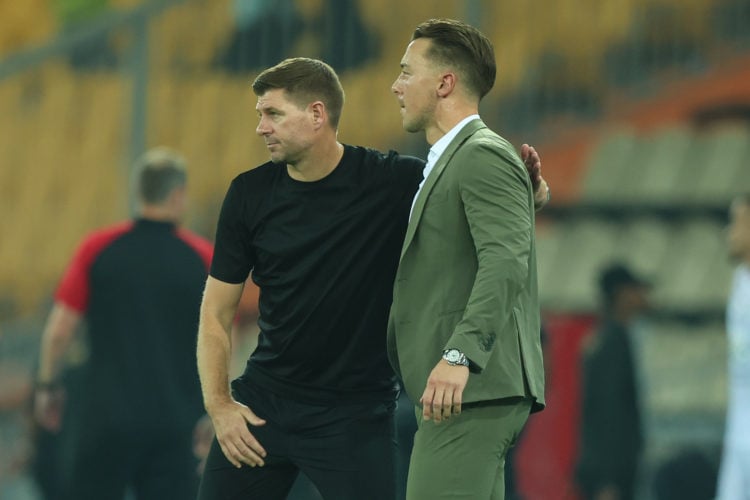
(305, 80)
(457, 44)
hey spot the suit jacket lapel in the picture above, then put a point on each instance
(432, 178)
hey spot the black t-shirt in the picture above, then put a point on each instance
(324, 255)
(139, 285)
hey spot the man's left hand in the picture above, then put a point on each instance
(444, 392)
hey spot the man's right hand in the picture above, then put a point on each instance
(48, 407)
(231, 421)
(533, 163)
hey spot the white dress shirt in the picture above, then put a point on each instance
(437, 150)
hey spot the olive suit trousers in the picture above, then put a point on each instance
(464, 457)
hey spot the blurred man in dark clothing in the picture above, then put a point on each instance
(611, 433)
(138, 287)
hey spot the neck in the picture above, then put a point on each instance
(622, 315)
(158, 213)
(318, 163)
(448, 114)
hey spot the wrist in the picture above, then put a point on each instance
(542, 196)
(454, 357)
(216, 402)
(44, 385)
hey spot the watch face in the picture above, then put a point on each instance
(452, 355)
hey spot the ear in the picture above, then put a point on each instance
(318, 113)
(447, 84)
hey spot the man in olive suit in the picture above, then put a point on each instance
(464, 327)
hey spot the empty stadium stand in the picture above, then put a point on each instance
(65, 133)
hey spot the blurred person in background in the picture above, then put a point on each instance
(611, 429)
(264, 33)
(320, 226)
(687, 474)
(99, 52)
(347, 41)
(734, 472)
(137, 286)
(464, 330)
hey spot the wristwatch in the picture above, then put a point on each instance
(454, 357)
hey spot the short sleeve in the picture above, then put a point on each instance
(200, 246)
(408, 171)
(233, 257)
(74, 288)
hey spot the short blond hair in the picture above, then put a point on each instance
(159, 172)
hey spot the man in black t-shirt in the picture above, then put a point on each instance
(320, 226)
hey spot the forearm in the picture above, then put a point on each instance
(214, 340)
(56, 339)
(50, 360)
(214, 354)
(489, 309)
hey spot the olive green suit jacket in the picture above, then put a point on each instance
(467, 278)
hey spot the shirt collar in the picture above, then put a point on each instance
(437, 149)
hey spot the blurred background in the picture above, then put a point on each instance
(640, 110)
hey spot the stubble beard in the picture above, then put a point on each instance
(415, 124)
(279, 158)
(420, 120)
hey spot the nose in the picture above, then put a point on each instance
(394, 87)
(262, 128)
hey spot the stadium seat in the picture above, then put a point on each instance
(723, 173)
(608, 166)
(583, 248)
(655, 166)
(687, 274)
